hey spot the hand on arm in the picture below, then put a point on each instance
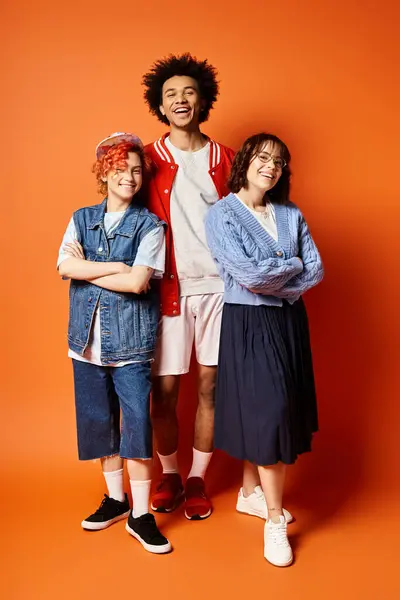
(77, 267)
(149, 261)
(267, 290)
(261, 277)
(136, 281)
(313, 270)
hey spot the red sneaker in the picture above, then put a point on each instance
(169, 492)
(197, 504)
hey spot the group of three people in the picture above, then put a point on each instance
(191, 245)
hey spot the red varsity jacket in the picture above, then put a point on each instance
(159, 198)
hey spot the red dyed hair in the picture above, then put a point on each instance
(116, 158)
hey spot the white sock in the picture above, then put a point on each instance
(140, 497)
(115, 484)
(201, 460)
(169, 463)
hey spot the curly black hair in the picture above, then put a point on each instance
(165, 68)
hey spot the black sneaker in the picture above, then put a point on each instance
(145, 530)
(110, 511)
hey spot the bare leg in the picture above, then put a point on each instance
(139, 470)
(112, 463)
(272, 482)
(164, 418)
(251, 478)
(204, 425)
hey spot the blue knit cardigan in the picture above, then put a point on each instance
(255, 268)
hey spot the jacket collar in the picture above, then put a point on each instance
(98, 216)
(264, 239)
(126, 226)
(165, 155)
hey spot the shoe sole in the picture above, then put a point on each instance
(287, 564)
(89, 526)
(149, 547)
(162, 509)
(254, 513)
(198, 517)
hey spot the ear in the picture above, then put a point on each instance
(104, 179)
(202, 108)
(162, 111)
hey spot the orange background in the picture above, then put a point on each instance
(322, 75)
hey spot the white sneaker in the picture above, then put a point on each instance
(255, 505)
(277, 549)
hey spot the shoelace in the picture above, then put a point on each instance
(151, 524)
(104, 504)
(196, 489)
(165, 482)
(278, 535)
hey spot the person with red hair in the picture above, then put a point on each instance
(111, 252)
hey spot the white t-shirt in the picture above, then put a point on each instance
(267, 218)
(193, 193)
(151, 253)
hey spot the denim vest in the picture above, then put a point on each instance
(128, 322)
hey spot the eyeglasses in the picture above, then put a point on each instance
(265, 157)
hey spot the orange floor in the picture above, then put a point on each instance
(342, 550)
(345, 536)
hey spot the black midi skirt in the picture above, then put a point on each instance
(266, 409)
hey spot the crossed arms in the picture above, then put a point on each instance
(113, 276)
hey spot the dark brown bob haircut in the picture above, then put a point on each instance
(250, 149)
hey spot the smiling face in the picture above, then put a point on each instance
(124, 183)
(181, 103)
(265, 168)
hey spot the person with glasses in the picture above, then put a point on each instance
(266, 410)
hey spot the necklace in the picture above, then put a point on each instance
(266, 213)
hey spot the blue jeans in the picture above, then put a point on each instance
(101, 394)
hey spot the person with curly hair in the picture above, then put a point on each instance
(110, 252)
(266, 410)
(190, 174)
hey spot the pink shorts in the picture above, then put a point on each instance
(198, 323)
